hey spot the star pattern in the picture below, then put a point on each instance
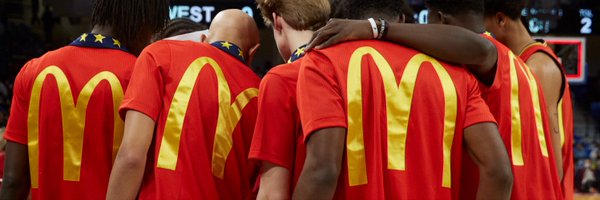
(99, 38)
(299, 51)
(231, 49)
(240, 53)
(116, 43)
(226, 44)
(97, 41)
(297, 54)
(83, 36)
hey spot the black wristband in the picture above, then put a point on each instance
(383, 30)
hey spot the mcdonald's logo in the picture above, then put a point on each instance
(73, 120)
(228, 117)
(516, 126)
(398, 107)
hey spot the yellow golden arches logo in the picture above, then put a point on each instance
(537, 108)
(398, 107)
(516, 126)
(73, 120)
(561, 122)
(229, 116)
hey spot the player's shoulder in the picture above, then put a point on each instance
(167, 45)
(47, 57)
(287, 70)
(541, 61)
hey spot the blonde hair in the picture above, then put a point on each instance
(299, 14)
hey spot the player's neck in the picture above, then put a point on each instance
(298, 38)
(104, 30)
(518, 38)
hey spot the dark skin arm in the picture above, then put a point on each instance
(16, 181)
(485, 147)
(324, 153)
(449, 43)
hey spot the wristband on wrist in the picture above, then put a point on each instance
(383, 30)
(374, 28)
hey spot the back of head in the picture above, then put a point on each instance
(456, 7)
(510, 8)
(299, 14)
(131, 20)
(390, 10)
(179, 26)
(234, 26)
(409, 14)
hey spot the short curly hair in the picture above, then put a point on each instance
(361, 9)
(300, 14)
(454, 7)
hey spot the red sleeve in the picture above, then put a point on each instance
(145, 90)
(500, 62)
(275, 125)
(320, 97)
(16, 130)
(477, 110)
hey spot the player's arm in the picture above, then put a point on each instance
(324, 152)
(128, 170)
(16, 181)
(551, 80)
(487, 150)
(274, 182)
(449, 43)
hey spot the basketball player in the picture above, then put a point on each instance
(277, 142)
(197, 101)
(177, 28)
(64, 129)
(382, 121)
(490, 62)
(503, 19)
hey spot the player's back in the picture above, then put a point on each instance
(515, 101)
(565, 116)
(205, 122)
(65, 109)
(405, 113)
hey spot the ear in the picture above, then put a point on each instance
(501, 19)
(443, 17)
(277, 24)
(203, 38)
(251, 53)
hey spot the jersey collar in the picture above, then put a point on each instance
(98, 41)
(489, 34)
(297, 54)
(231, 49)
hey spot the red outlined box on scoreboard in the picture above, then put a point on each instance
(571, 51)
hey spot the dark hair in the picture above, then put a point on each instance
(180, 26)
(409, 14)
(361, 9)
(129, 18)
(453, 7)
(511, 8)
(299, 14)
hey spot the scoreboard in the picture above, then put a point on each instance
(562, 21)
(556, 21)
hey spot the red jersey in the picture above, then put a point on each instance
(515, 100)
(65, 109)
(278, 132)
(203, 103)
(404, 111)
(565, 115)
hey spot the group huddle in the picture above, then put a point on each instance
(368, 106)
